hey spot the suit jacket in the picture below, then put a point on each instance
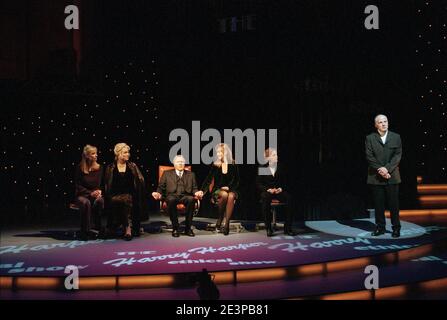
(264, 182)
(386, 155)
(168, 183)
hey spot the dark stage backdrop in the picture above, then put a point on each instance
(142, 68)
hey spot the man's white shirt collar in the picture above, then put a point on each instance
(384, 137)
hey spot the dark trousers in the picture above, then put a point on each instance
(382, 195)
(172, 201)
(90, 208)
(266, 199)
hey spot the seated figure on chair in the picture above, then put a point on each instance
(178, 186)
(125, 194)
(89, 200)
(224, 178)
(272, 185)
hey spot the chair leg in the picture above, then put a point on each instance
(196, 208)
(273, 218)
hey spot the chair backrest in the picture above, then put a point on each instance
(162, 169)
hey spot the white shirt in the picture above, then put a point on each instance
(273, 170)
(384, 137)
(179, 173)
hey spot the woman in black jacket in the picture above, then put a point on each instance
(125, 193)
(224, 179)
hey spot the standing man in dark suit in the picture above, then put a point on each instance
(383, 153)
(178, 186)
(273, 185)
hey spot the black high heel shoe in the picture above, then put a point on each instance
(219, 224)
(127, 237)
(226, 229)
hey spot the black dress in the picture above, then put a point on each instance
(122, 182)
(229, 179)
(86, 183)
(130, 187)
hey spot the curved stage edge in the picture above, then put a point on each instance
(316, 252)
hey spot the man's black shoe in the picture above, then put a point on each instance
(396, 233)
(289, 232)
(189, 233)
(379, 231)
(175, 233)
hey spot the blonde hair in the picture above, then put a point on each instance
(119, 147)
(228, 155)
(83, 165)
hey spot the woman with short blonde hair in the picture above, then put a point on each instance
(125, 193)
(120, 148)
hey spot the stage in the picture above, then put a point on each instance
(330, 256)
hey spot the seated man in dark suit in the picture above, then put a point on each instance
(272, 185)
(178, 186)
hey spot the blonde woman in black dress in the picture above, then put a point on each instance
(224, 178)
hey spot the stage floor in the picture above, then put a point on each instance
(46, 252)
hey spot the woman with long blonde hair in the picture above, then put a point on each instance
(224, 178)
(88, 179)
